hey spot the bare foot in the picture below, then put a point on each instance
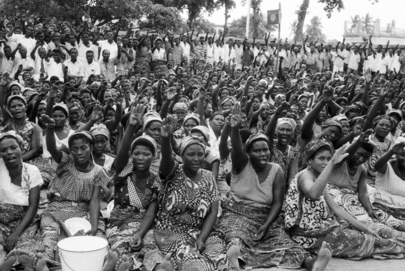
(27, 261)
(165, 265)
(324, 256)
(123, 264)
(41, 263)
(111, 261)
(235, 257)
(8, 263)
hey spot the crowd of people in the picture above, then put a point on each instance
(191, 153)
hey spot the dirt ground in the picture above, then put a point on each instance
(364, 265)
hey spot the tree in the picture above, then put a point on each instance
(356, 25)
(72, 10)
(194, 7)
(330, 6)
(228, 4)
(314, 30)
(301, 13)
(162, 18)
(237, 28)
(368, 24)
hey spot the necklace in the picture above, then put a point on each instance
(352, 171)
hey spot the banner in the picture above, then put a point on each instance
(273, 17)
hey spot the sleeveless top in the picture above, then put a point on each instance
(390, 189)
(341, 177)
(246, 188)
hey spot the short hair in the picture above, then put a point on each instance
(89, 51)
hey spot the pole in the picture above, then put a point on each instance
(278, 43)
(249, 4)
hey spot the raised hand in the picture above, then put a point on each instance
(398, 147)
(54, 92)
(171, 93)
(47, 121)
(339, 155)
(327, 95)
(97, 113)
(236, 118)
(365, 135)
(137, 113)
(169, 125)
(282, 107)
(368, 76)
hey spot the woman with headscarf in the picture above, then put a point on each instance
(254, 232)
(389, 183)
(29, 131)
(188, 207)
(313, 217)
(281, 150)
(19, 198)
(75, 190)
(190, 121)
(211, 161)
(136, 193)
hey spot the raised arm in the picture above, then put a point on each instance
(239, 157)
(381, 164)
(167, 161)
(271, 128)
(135, 119)
(314, 189)
(50, 138)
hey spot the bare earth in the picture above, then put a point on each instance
(364, 265)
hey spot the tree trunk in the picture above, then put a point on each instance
(302, 13)
(226, 20)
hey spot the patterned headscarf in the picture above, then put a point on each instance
(288, 121)
(100, 129)
(188, 141)
(180, 106)
(192, 116)
(150, 117)
(14, 135)
(331, 122)
(313, 146)
(381, 117)
(145, 140)
(255, 137)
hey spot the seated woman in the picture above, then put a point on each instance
(281, 150)
(348, 187)
(191, 120)
(188, 207)
(136, 192)
(389, 184)
(19, 197)
(313, 217)
(211, 161)
(250, 219)
(75, 190)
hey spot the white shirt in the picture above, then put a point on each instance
(75, 69)
(55, 69)
(186, 49)
(395, 64)
(105, 45)
(159, 54)
(29, 43)
(6, 65)
(346, 55)
(89, 69)
(218, 52)
(354, 61)
(228, 53)
(238, 54)
(82, 49)
(25, 62)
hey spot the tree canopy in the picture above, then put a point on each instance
(314, 30)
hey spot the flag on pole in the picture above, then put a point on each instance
(273, 17)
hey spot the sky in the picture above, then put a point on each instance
(385, 10)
